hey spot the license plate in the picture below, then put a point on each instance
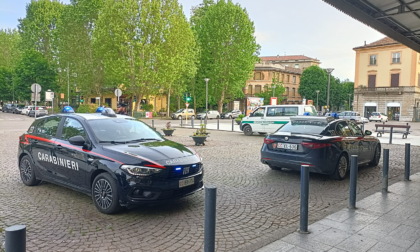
(186, 182)
(287, 146)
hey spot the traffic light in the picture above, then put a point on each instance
(135, 98)
(188, 99)
(82, 99)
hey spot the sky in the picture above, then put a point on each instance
(282, 27)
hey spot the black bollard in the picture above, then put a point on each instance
(304, 198)
(390, 135)
(353, 181)
(385, 171)
(407, 162)
(16, 238)
(233, 121)
(181, 121)
(192, 122)
(210, 219)
(153, 123)
(217, 123)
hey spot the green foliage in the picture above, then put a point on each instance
(228, 51)
(33, 68)
(147, 107)
(6, 84)
(239, 118)
(9, 51)
(38, 29)
(276, 89)
(315, 78)
(202, 131)
(146, 45)
(78, 61)
(86, 108)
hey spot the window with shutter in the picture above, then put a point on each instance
(395, 80)
(372, 80)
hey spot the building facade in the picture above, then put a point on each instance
(387, 80)
(292, 61)
(265, 73)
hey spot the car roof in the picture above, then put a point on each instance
(326, 119)
(92, 116)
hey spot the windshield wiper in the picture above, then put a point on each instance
(144, 139)
(114, 142)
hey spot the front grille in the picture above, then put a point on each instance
(180, 171)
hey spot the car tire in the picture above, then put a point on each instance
(376, 156)
(247, 130)
(192, 117)
(27, 172)
(230, 117)
(341, 168)
(105, 194)
(179, 117)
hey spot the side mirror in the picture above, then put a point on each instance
(368, 132)
(77, 140)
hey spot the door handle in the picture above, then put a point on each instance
(59, 147)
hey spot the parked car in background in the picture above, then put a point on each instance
(378, 117)
(8, 108)
(363, 120)
(183, 113)
(39, 110)
(18, 109)
(26, 109)
(231, 114)
(211, 114)
(350, 115)
(324, 143)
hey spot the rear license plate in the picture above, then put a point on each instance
(186, 182)
(287, 146)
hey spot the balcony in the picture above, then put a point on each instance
(385, 90)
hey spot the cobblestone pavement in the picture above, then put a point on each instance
(255, 205)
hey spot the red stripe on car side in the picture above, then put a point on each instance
(72, 147)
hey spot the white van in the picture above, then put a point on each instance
(268, 118)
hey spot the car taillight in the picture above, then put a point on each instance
(268, 141)
(310, 145)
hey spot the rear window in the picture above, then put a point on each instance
(304, 126)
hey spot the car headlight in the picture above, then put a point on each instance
(138, 170)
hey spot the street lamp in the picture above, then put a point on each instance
(317, 93)
(349, 102)
(207, 94)
(274, 88)
(329, 70)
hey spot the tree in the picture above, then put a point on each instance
(314, 78)
(33, 68)
(9, 54)
(146, 45)
(76, 52)
(9, 51)
(6, 84)
(228, 51)
(38, 29)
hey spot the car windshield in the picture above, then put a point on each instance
(179, 110)
(304, 127)
(119, 130)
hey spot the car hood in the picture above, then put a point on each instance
(161, 152)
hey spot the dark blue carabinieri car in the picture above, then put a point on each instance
(323, 143)
(116, 159)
